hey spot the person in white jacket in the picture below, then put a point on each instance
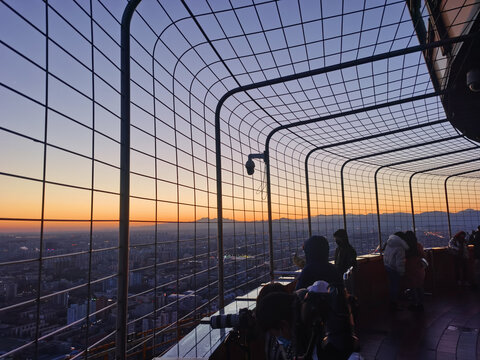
(394, 261)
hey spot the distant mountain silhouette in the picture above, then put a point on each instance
(434, 220)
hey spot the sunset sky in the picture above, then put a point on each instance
(82, 127)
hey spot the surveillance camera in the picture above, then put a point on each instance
(473, 80)
(250, 165)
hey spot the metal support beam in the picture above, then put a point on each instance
(309, 210)
(124, 235)
(414, 228)
(448, 209)
(380, 245)
(269, 208)
(414, 6)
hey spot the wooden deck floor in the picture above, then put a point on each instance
(447, 329)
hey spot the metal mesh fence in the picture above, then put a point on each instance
(335, 97)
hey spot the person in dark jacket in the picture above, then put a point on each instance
(345, 254)
(345, 258)
(475, 241)
(415, 265)
(457, 246)
(317, 266)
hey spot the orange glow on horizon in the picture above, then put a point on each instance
(11, 226)
(21, 206)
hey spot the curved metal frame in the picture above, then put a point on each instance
(417, 172)
(282, 79)
(446, 197)
(433, 169)
(351, 142)
(410, 184)
(379, 154)
(319, 119)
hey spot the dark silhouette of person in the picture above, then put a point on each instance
(275, 348)
(345, 254)
(475, 241)
(293, 318)
(345, 258)
(394, 261)
(317, 267)
(414, 271)
(457, 246)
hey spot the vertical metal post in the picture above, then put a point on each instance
(448, 208)
(218, 163)
(124, 236)
(269, 204)
(44, 173)
(411, 202)
(307, 185)
(378, 210)
(343, 195)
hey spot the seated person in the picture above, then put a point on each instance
(317, 267)
(275, 348)
(309, 324)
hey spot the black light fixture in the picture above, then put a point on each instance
(473, 80)
(250, 165)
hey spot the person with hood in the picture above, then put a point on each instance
(415, 270)
(394, 261)
(345, 257)
(317, 267)
(345, 254)
(457, 246)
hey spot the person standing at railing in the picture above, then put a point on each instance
(475, 241)
(394, 261)
(317, 267)
(345, 257)
(458, 248)
(415, 270)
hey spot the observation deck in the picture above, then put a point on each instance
(449, 327)
(160, 159)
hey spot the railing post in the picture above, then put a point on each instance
(269, 205)
(380, 245)
(124, 226)
(307, 188)
(343, 195)
(448, 208)
(411, 202)
(218, 162)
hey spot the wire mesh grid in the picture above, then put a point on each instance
(374, 139)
